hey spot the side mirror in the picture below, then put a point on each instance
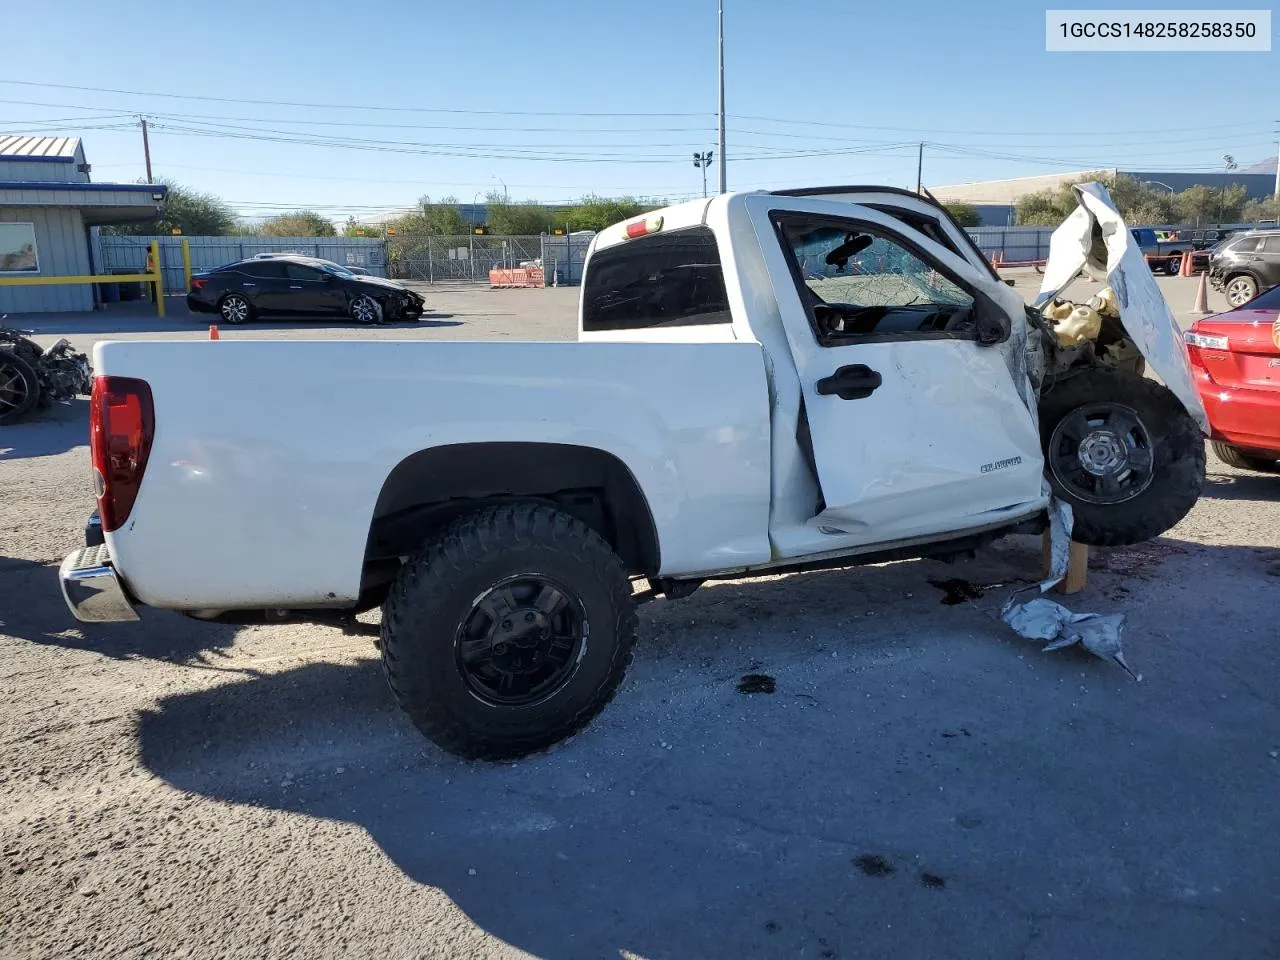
(991, 324)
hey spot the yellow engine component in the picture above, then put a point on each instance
(1081, 324)
(1104, 301)
(1057, 311)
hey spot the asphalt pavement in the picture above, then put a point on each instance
(920, 782)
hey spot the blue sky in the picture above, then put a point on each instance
(461, 98)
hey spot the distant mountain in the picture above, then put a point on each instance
(1262, 166)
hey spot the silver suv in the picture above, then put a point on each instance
(1246, 264)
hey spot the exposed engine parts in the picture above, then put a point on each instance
(32, 377)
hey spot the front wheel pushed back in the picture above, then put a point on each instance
(1124, 452)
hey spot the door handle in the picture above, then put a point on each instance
(248, 284)
(854, 382)
(295, 286)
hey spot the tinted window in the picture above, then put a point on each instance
(263, 269)
(665, 280)
(1244, 245)
(1271, 244)
(296, 271)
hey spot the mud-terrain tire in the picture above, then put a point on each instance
(19, 388)
(485, 609)
(1235, 457)
(1124, 453)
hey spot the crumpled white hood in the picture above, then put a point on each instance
(1144, 313)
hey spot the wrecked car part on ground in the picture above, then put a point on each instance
(761, 383)
(32, 377)
(1042, 619)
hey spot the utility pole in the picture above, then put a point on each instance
(1276, 196)
(724, 186)
(146, 147)
(920, 169)
(703, 160)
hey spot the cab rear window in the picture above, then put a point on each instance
(663, 280)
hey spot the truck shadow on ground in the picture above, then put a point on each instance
(47, 432)
(880, 802)
(34, 611)
(1242, 486)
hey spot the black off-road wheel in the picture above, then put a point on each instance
(19, 388)
(1124, 453)
(508, 632)
(1235, 457)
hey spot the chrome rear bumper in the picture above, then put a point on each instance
(92, 589)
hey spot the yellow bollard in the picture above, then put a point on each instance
(186, 263)
(159, 278)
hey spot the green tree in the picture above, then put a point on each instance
(298, 223)
(1201, 204)
(195, 214)
(354, 228)
(966, 214)
(1268, 209)
(526, 219)
(596, 213)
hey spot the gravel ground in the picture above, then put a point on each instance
(919, 784)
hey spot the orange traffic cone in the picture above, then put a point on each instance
(1184, 270)
(213, 331)
(1202, 296)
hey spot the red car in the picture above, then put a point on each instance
(1236, 359)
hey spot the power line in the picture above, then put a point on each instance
(348, 106)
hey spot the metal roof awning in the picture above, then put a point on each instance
(99, 203)
(28, 148)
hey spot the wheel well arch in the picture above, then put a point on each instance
(431, 487)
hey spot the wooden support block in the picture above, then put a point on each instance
(1077, 577)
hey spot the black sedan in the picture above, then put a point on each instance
(299, 286)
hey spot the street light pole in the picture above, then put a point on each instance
(703, 160)
(1228, 164)
(723, 175)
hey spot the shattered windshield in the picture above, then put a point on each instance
(859, 268)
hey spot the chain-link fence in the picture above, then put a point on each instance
(468, 259)
(115, 253)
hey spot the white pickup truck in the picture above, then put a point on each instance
(761, 382)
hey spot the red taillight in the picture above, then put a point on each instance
(121, 428)
(197, 283)
(643, 227)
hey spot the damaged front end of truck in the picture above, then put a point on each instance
(1124, 451)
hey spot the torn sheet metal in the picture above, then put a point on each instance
(1094, 238)
(1042, 619)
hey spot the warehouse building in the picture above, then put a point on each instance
(48, 207)
(995, 199)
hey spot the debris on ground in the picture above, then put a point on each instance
(873, 865)
(1042, 619)
(957, 590)
(1133, 561)
(757, 683)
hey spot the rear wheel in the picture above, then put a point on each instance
(1240, 290)
(1235, 457)
(235, 308)
(1173, 266)
(19, 388)
(1124, 453)
(508, 632)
